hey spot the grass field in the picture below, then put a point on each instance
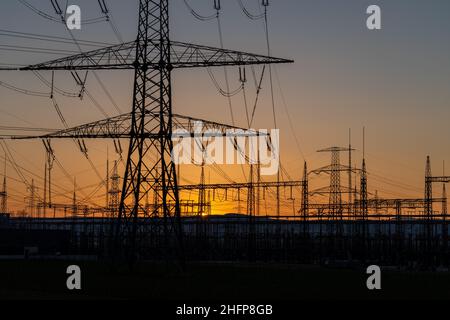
(212, 282)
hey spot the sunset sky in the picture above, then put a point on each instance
(394, 82)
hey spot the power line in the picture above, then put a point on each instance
(10, 159)
(266, 23)
(61, 193)
(58, 90)
(110, 19)
(24, 91)
(286, 109)
(248, 13)
(60, 115)
(96, 77)
(5, 47)
(51, 18)
(225, 93)
(39, 12)
(197, 15)
(258, 91)
(58, 110)
(106, 91)
(41, 37)
(29, 129)
(96, 104)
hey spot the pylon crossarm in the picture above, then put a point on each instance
(330, 168)
(120, 127)
(443, 179)
(121, 56)
(186, 55)
(182, 55)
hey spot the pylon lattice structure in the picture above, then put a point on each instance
(428, 190)
(305, 199)
(335, 189)
(114, 192)
(444, 217)
(4, 194)
(149, 127)
(74, 199)
(428, 201)
(364, 208)
(444, 201)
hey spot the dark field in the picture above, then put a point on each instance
(213, 282)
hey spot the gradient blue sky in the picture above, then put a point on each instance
(394, 81)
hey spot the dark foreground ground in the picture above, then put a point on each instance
(208, 282)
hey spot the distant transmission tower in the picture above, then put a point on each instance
(114, 192)
(4, 194)
(305, 200)
(335, 189)
(201, 191)
(444, 216)
(32, 199)
(444, 195)
(304, 211)
(74, 199)
(428, 191)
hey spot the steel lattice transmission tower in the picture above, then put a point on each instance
(444, 202)
(152, 56)
(429, 180)
(4, 194)
(428, 191)
(114, 192)
(152, 91)
(444, 217)
(335, 189)
(364, 208)
(304, 210)
(428, 201)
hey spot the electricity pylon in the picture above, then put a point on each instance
(4, 194)
(152, 56)
(335, 188)
(428, 201)
(114, 192)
